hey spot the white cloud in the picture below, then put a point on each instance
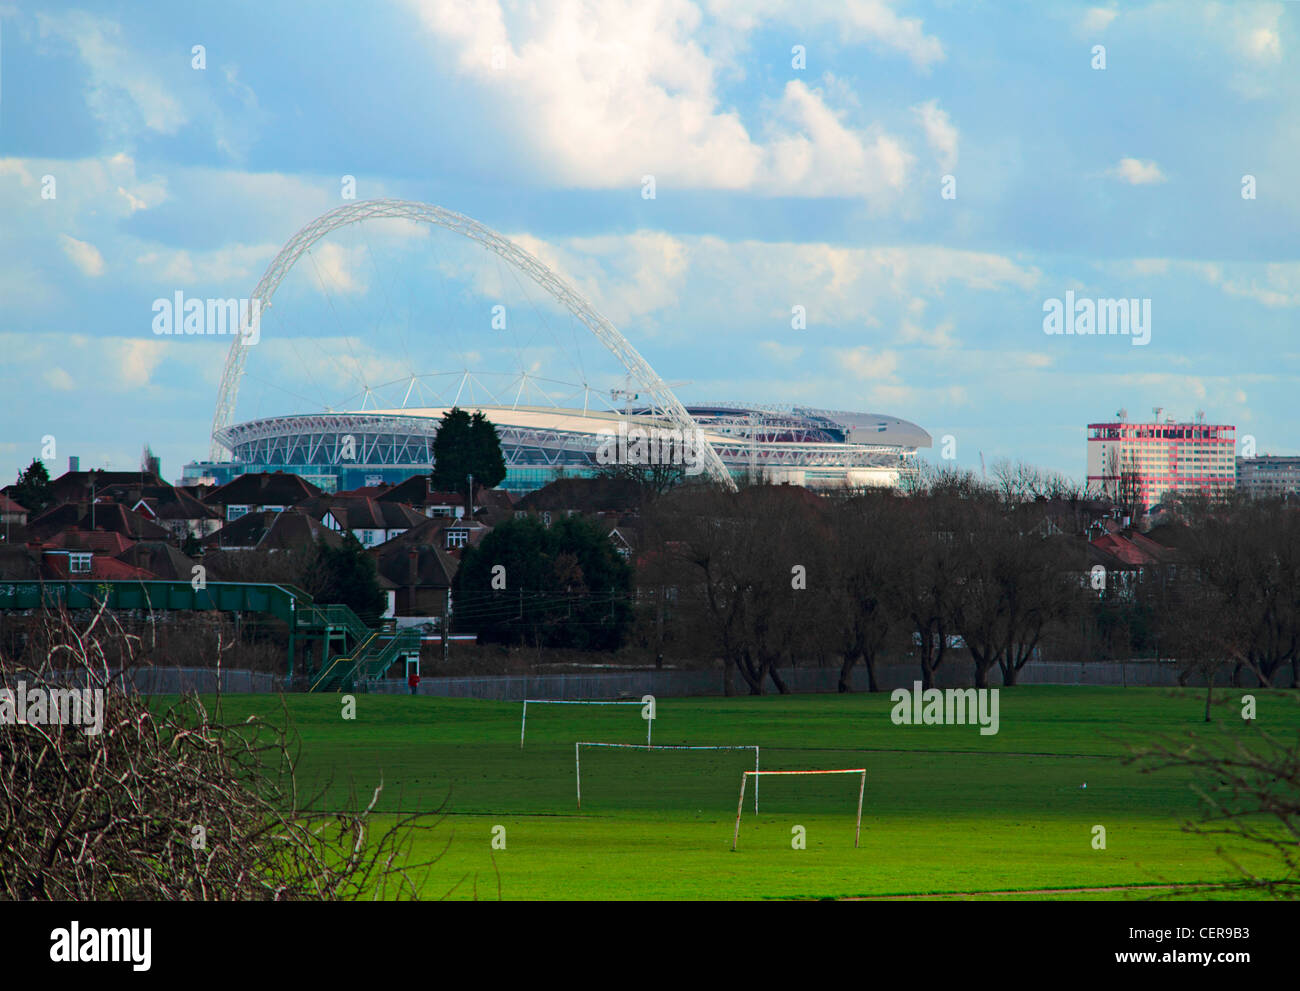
(132, 200)
(781, 354)
(180, 269)
(1137, 172)
(623, 276)
(335, 268)
(1252, 29)
(871, 22)
(122, 92)
(83, 254)
(1150, 266)
(940, 336)
(137, 360)
(811, 152)
(1096, 20)
(1276, 284)
(1262, 43)
(57, 378)
(16, 167)
(602, 94)
(866, 364)
(644, 276)
(940, 133)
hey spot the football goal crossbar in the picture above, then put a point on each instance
(523, 724)
(577, 758)
(744, 780)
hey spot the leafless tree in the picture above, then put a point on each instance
(169, 803)
(863, 569)
(1250, 785)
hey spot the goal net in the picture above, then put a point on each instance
(692, 774)
(562, 728)
(744, 783)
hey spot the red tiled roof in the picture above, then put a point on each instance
(102, 516)
(100, 541)
(1124, 549)
(107, 568)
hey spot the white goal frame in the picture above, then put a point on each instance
(523, 724)
(577, 758)
(744, 780)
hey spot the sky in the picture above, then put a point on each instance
(855, 204)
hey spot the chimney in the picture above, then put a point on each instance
(74, 463)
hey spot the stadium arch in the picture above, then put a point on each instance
(638, 369)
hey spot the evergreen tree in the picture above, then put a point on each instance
(32, 491)
(467, 446)
(489, 463)
(563, 586)
(346, 576)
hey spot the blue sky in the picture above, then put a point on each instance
(775, 186)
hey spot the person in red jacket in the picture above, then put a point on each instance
(414, 681)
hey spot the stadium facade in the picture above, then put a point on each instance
(800, 445)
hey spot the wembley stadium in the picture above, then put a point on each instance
(803, 446)
(352, 443)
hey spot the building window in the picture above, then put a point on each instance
(79, 564)
(457, 538)
(235, 512)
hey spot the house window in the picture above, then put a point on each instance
(235, 512)
(546, 518)
(79, 564)
(457, 538)
(441, 510)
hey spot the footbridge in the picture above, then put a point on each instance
(341, 648)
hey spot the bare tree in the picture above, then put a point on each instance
(862, 566)
(171, 804)
(1250, 787)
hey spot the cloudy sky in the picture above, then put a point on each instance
(798, 152)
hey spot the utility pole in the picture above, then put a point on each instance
(446, 639)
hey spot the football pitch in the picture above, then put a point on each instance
(947, 812)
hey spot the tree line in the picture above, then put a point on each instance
(962, 571)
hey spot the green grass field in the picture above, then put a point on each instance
(947, 812)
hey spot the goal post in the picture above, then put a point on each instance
(577, 758)
(744, 780)
(523, 724)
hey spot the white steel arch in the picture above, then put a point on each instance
(637, 367)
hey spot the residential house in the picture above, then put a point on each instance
(272, 530)
(260, 492)
(372, 522)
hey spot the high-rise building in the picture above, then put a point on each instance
(1269, 475)
(1142, 463)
